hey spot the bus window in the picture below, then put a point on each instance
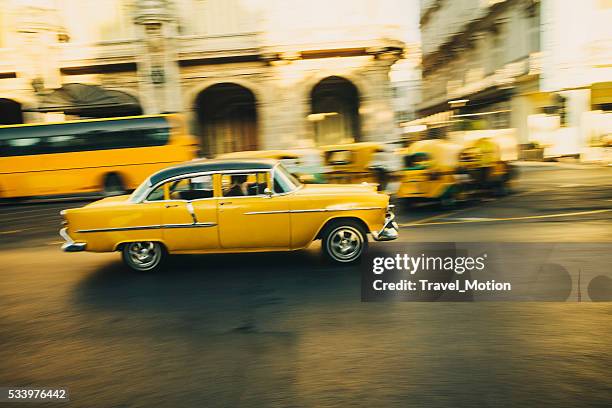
(83, 138)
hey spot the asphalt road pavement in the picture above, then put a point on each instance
(287, 330)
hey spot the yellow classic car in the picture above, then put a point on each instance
(430, 172)
(363, 162)
(481, 160)
(213, 206)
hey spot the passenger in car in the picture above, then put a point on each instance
(239, 186)
(256, 188)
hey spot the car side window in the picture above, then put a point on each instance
(189, 188)
(244, 184)
(339, 157)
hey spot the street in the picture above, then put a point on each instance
(285, 329)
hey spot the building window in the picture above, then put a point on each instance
(534, 29)
(495, 48)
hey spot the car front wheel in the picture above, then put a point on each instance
(144, 256)
(344, 241)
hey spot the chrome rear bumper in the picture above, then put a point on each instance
(389, 231)
(70, 245)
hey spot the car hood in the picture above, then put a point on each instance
(337, 189)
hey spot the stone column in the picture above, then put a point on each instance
(376, 110)
(578, 102)
(267, 111)
(521, 108)
(283, 109)
(157, 57)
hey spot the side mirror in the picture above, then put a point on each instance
(268, 192)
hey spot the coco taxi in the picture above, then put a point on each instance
(213, 206)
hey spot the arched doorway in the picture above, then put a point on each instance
(334, 104)
(10, 112)
(227, 116)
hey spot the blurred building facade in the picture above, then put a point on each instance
(536, 67)
(406, 83)
(249, 74)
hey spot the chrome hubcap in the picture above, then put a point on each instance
(345, 243)
(144, 254)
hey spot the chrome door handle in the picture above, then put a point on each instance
(171, 205)
(225, 202)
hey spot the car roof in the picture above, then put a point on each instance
(206, 165)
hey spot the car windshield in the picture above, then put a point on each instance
(284, 181)
(138, 194)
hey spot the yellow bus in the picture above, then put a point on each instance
(110, 156)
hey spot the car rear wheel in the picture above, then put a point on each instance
(144, 256)
(113, 185)
(344, 241)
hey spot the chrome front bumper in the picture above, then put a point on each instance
(70, 245)
(389, 231)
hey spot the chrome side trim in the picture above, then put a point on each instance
(145, 227)
(312, 210)
(194, 225)
(268, 212)
(315, 210)
(338, 209)
(139, 227)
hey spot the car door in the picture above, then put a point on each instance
(252, 219)
(189, 214)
